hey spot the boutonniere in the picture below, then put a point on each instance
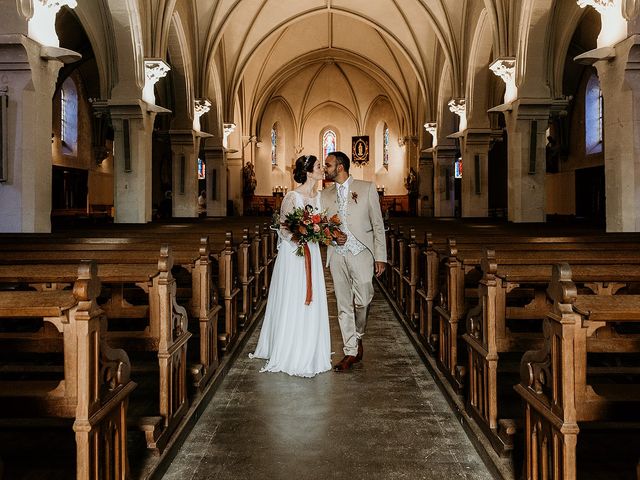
(354, 196)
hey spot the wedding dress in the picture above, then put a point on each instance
(295, 337)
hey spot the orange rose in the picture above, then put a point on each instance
(315, 218)
(302, 230)
(335, 219)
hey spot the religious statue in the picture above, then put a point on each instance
(411, 182)
(249, 181)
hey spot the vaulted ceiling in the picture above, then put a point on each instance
(257, 46)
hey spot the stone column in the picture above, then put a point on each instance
(426, 174)
(234, 182)
(133, 127)
(184, 185)
(526, 126)
(216, 173)
(475, 174)
(620, 85)
(28, 75)
(444, 157)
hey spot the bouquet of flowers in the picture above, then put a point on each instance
(309, 227)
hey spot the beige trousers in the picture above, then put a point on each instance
(353, 283)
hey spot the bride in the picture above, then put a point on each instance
(295, 337)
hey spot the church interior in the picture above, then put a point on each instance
(145, 147)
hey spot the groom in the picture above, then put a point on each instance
(353, 260)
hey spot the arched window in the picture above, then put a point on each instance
(69, 116)
(274, 144)
(594, 116)
(385, 157)
(328, 143)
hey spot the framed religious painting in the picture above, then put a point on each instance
(360, 150)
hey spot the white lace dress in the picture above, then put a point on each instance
(295, 337)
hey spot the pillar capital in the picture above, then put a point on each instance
(505, 68)
(432, 129)
(200, 107)
(458, 106)
(154, 70)
(614, 23)
(42, 20)
(228, 129)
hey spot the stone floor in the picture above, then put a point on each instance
(386, 419)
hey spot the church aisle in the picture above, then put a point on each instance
(386, 419)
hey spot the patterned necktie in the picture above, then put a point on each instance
(341, 189)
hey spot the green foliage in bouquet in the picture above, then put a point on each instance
(309, 227)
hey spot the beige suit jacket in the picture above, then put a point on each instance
(364, 217)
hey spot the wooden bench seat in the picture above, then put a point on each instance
(458, 288)
(164, 329)
(415, 268)
(554, 382)
(488, 333)
(196, 257)
(95, 387)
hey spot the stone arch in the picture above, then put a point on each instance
(533, 58)
(381, 112)
(278, 112)
(213, 91)
(181, 73)
(340, 107)
(446, 119)
(128, 40)
(98, 27)
(563, 37)
(478, 74)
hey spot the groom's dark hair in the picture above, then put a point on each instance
(342, 159)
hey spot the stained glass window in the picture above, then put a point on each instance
(328, 143)
(202, 170)
(385, 158)
(458, 168)
(594, 116)
(274, 145)
(69, 115)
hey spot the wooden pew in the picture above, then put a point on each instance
(208, 282)
(516, 293)
(554, 382)
(459, 293)
(427, 292)
(247, 278)
(96, 385)
(164, 329)
(395, 242)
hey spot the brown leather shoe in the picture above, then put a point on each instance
(360, 353)
(345, 364)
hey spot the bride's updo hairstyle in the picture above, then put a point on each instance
(304, 165)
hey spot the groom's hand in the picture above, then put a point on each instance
(380, 266)
(341, 240)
